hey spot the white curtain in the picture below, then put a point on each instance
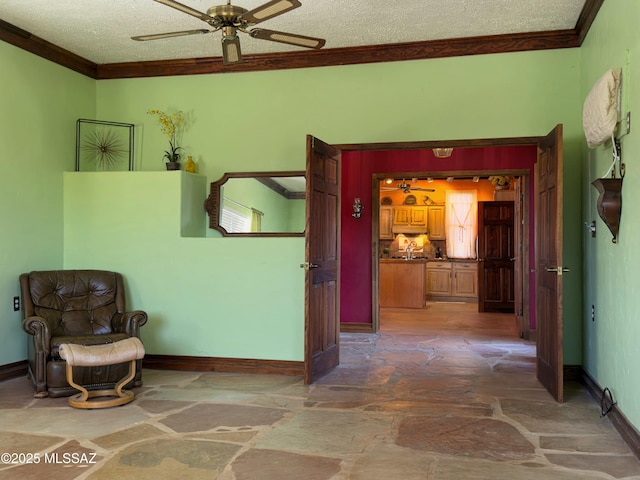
(461, 223)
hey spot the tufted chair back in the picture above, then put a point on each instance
(76, 302)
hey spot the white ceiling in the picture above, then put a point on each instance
(100, 30)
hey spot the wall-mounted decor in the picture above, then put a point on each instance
(258, 204)
(609, 203)
(103, 146)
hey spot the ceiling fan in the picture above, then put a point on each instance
(231, 19)
(407, 188)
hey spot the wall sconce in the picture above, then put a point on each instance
(357, 208)
(442, 152)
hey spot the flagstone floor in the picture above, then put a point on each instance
(443, 393)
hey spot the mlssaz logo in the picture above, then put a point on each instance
(70, 458)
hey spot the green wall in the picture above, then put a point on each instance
(215, 296)
(611, 282)
(39, 105)
(258, 121)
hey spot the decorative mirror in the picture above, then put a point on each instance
(254, 204)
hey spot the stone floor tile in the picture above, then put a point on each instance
(608, 443)
(539, 417)
(272, 464)
(618, 466)
(468, 437)
(205, 417)
(327, 432)
(357, 375)
(460, 468)
(160, 459)
(68, 420)
(126, 436)
(388, 461)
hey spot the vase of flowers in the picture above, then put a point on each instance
(170, 125)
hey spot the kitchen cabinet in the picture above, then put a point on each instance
(465, 280)
(402, 283)
(457, 280)
(438, 279)
(435, 222)
(386, 223)
(409, 219)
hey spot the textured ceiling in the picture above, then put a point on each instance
(100, 30)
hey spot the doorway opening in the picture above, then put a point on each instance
(433, 249)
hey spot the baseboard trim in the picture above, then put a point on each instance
(13, 370)
(624, 427)
(228, 365)
(347, 327)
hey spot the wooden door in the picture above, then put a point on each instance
(495, 257)
(322, 252)
(518, 265)
(549, 267)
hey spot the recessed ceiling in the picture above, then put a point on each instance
(100, 30)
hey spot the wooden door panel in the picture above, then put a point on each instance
(549, 263)
(496, 254)
(322, 255)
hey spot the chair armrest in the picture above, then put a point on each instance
(129, 322)
(39, 328)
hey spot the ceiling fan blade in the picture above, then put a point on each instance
(231, 53)
(188, 10)
(420, 189)
(268, 10)
(290, 38)
(157, 36)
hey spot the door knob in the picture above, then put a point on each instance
(307, 265)
(559, 270)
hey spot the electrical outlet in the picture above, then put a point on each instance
(593, 313)
(16, 304)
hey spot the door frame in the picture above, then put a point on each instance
(426, 145)
(375, 230)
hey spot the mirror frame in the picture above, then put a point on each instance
(213, 203)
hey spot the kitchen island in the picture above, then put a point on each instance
(402, 283)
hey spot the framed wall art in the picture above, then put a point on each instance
(103, 146)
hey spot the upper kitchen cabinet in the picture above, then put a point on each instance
(435, 222)
(409, 220)
(386, 223)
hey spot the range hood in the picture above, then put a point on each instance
(410, 229)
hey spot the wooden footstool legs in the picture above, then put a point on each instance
(128, 350)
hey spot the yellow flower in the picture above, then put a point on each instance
(170, 125)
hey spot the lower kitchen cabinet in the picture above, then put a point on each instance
(465, 280)
(439, 279)
(455, 280)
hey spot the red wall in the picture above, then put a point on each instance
(357, 176)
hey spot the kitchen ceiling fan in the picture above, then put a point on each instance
(406, 188)
(231, 19)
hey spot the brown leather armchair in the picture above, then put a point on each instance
(85, 307)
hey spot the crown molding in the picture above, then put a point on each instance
(307, 59)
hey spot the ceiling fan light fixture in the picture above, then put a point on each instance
(443, 152)
(231, 48)
(231, 18)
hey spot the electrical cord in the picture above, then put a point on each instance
(606, 403)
